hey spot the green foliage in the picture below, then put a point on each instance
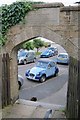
(28, 46)
(47, 44)
(13, 14)
(2, 39)
(38, 43)
(38, 53)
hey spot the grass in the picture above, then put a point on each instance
(38, 53)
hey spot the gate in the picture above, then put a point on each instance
(73, 95)
(5, 80)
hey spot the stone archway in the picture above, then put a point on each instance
(56, 23)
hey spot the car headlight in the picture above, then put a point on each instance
(38, 74)
(21, 60)
(27, 72)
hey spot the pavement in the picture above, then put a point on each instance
(39, 109)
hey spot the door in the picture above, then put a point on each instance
(50, 70)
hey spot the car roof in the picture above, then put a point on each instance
(63, 53)
(31, 51)
(52, 47)
(46, 51)
(46, 60)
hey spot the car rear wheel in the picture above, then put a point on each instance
(34, 60)
(43, 78)
(56, 74)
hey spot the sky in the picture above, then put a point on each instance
(65, 2)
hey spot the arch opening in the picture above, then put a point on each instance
(31, 84)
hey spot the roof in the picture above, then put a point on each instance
(31, 51)
(63, 53)
(52, 47)
(47, 60)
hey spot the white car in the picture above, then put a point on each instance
(63, 58)
(25, 56)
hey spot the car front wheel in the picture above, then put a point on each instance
(43, 78)
(34, 60)
(56, 74)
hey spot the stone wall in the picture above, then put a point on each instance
(59, 24)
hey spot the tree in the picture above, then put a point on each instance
(28, 46)
(38, 43)
(47, 44)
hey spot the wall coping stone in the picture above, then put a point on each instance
(70, 8)
(48, 5)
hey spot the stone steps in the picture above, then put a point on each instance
(43, 110)
(29, 109)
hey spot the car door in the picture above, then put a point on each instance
(49, 70)
(27, 60)
(53, 64)
(29, 57)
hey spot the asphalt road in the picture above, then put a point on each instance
(42, 90)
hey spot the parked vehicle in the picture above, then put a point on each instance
(25, 56)
(54, 49)
(46, 54)
(63, 58)
(43, 69)
(20, 81)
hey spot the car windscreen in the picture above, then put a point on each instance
(45, 52)
(51, 48)
(42, 64)
(63, 56)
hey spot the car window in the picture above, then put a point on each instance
(45, 52)
(32, 53)
(27, 54)
(52, 48)
(22, 54)
(63, 56)
(55, 49)
(49, 66)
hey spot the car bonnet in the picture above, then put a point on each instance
(36, 70)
